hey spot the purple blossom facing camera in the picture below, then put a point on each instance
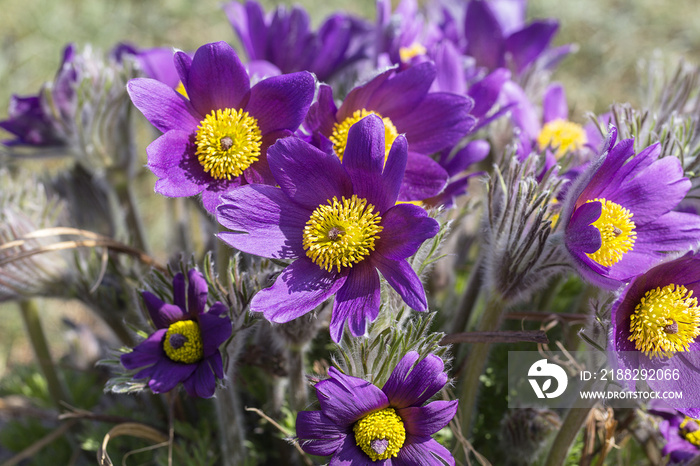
(339, 221)
(655, 327)
(185, 347)
(217, 137)
(359, 423)
(618, 217)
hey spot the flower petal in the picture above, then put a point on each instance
(402, 278)
(438, 122)
(485, 92)
(484, 35)
(180, 291)
(162, 314)
(345, 399)
(265, 222)
(202, 382)
(426, 420)
(217, 79)
(359, 97)
(406, 227)
(423, 450)
(281, 102)
(423, 178)
(196, 292)
(300, 288)
(687, 364)
(349, 454)
(404, 91)
(554, 106)
(318, 434)
(412, 384)
(146, 353)
(215, 330)
(167, 374)
(164, 107)
(291, 160)
(172, 158)
(357, 301)
(527, 44)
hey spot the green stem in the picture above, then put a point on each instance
(230, 414)
(298, 389)
(471, 294)
(122, 186)
(575, 418)
(475, 362)
(37, 338)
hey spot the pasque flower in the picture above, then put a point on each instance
(359, 423)
(185, 347)
(656, 325)
(217, 138)
(618, 218)
(431, 122)
(338, 221)
(283, 39)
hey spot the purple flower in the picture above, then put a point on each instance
(339, 221)
(656, 324)
(682, 433)
(496, 35)
(359, 423)
(217, 139)
(618, 219)
(185, 346)
(431, 122)
(38, 120)
(284, 40)
(156, 63)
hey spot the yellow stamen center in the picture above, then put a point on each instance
(562, 135)
(228, 142)
(616, 232)
(380, 434)
(183, 342)
(341, 233)
(414, 50)
(181, 89)
(339, 137)
(665, 321)
(690, 430)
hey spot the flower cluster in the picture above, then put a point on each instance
(332, 177)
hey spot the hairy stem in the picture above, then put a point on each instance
(475, 362)
(37, 338)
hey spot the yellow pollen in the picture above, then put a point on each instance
(181, 89)
(341, 233)
(690, 430)
(228, 142)
(616, 232)
(665, 321)
(380, 434)
(183, 342)
(562, 135)
(414, 50)
(339, 137)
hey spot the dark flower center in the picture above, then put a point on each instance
(177, 340)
